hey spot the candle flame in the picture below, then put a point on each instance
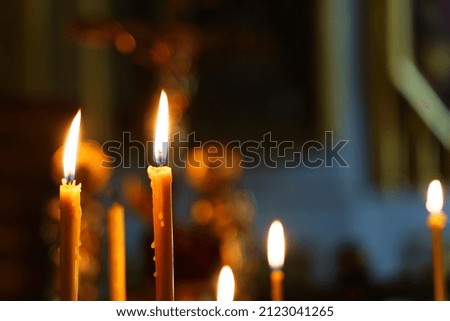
(71, 148)
(276, 246)
(225, 286)
(162, 130)
(435, 197)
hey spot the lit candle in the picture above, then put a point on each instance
(225, 285)
(70, 217)
(436, 222)
(161, 185)
(116, 238)
(275, 256)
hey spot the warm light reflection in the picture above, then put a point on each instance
(125, 42)
(435, 197)
(225, 286)
(71, 148)
(275, 246)
(162, 130)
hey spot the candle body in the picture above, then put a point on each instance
(161, 185)
(276, 285)
(70, 226)
(436, 223)
(116, 251)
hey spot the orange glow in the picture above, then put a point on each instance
(71, 148)
(276, 246)
(162, 130)
(225, 286)
(161, 53)
(125, 42)
(435, 197)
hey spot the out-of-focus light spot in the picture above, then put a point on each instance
(161, 53)
(125, 42)
(202, 212)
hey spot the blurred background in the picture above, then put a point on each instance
(376, 73)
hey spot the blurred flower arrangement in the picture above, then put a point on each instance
(225, 209)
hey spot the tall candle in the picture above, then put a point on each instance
(275, 256)
(436, 222)
(225, 285)
(116, 240)
(70, 217)
(161, 185)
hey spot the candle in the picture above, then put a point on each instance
(225, 285)
(275, 256)
(70, 217)
(116, 240)
(161, 185)
(436, 222)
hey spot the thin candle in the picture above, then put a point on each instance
(275, 256)
(70, 217)
(225, 285)
(436, 222)
(116, 240)
(161, 185)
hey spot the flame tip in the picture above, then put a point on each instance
(71, 148)
(276, 245)
(162, 130)
(225, 286)
(435, 197)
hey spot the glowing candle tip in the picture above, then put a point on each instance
(225, 286)
(162, 130)
(71, 148)
(276, 246)
(435, 197)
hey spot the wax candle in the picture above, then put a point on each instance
(70, 217)
(161, 185)
(436, 222)
(275, 256)
(116, 242)
(225, 285)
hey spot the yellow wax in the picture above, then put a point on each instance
(436, 223)
(70, 225)
(161, 184)
(116, 240)
(276, 285)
